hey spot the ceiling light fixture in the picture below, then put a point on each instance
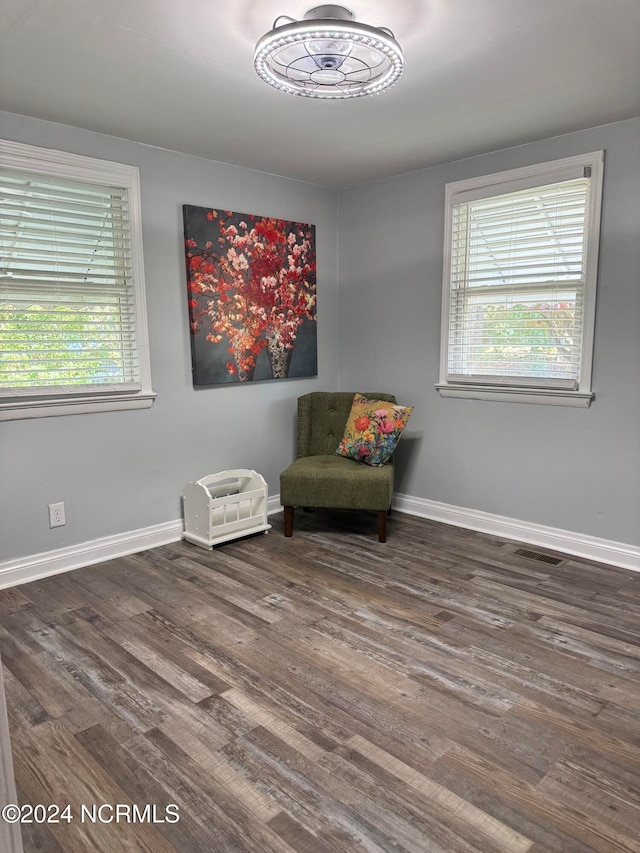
(328, 55)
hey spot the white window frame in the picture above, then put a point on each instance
(510, 388)
(61, 164)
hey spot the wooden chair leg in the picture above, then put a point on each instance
(288, 521)
(382, 525)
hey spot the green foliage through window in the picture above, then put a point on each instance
(57, 346)
(526, 339)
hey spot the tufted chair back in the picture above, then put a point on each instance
(322, 416)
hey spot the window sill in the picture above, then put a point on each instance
(23, 408)
(547, 397)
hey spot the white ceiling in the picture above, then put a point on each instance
(481, 75)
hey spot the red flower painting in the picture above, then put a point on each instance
(251, 284)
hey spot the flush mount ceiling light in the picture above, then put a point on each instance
(328, 55)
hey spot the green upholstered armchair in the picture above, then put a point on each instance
(319, 478)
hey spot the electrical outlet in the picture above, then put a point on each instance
(56, 515)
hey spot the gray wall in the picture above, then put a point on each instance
(120, 471)
(574, 469)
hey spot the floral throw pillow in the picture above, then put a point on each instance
(373, 430)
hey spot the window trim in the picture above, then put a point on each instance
(513, 180)
(31, 158)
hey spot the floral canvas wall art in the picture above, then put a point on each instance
(251, 283)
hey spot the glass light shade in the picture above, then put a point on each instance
(329, 55)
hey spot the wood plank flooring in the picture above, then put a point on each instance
(328, 693)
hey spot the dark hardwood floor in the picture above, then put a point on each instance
(329, 693)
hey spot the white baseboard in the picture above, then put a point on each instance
(36, 566)
(577, 544)
(42, 565)
(25, 569)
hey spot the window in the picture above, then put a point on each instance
(519, 283)
(73, 333)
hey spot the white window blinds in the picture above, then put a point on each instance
(67, 296)
(517, 283)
